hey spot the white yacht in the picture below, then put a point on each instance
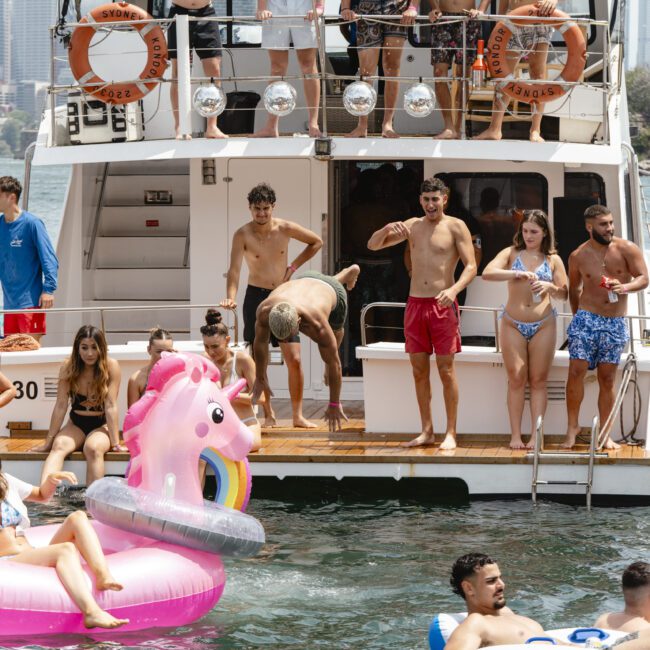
(148, 221)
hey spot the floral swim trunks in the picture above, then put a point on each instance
(447, 40)
(597, 339)
(372, 34)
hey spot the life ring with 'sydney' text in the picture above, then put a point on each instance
(500, 67)
(117, 92)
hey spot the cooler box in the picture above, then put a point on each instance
(91, 121)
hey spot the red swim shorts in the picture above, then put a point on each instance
(428, 327)
(25, 323)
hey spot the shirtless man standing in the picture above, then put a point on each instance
(431, 322)
(447, 48)
(316, 305)
(206, 40)
(602, 271)
(532, 41)
(477, 579)
(636, 593)
(264, 243)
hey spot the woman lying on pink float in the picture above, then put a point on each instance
(74, 538)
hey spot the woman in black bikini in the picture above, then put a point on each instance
(90, 381)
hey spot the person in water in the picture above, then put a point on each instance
(160, 340)
(535, 274)
(636, 594)
(476, 578)
(74, 538)
(89, 380)
(233, 365)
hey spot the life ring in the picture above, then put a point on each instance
(530, 93)
(117, 93)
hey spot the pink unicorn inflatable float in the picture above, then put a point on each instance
(162, 541)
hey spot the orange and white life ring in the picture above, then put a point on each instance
(117, 92)
(536, 93)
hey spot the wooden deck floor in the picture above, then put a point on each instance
(287, 444)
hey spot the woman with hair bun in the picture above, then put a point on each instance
(89, 380)
(535, 274)
(233, 365)
(160, 340)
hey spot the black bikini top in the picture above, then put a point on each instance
(78, 405)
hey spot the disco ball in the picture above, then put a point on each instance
(359, 98)
(419, 100)
(280, 98)
(209, 101)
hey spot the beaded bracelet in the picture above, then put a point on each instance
(334, 404)
(293, 267)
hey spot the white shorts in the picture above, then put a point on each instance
(278, 33)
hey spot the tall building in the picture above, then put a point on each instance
(637, 38)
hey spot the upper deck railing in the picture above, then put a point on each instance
(600, 78)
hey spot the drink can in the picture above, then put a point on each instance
(613, 297)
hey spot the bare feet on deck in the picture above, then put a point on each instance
(215, 133)
(536, 136)
(517, 443)
(446, 134)
(359, 132)
(570, 439)
(611, 445)
(107, 583)
(449, 442)
(387, 131)
(488, 134)
(314, 131)
(531, 443)
(267, 132)
(180, 136)
(270, 422)
(302, 423)
(423, 440)
(100, 618)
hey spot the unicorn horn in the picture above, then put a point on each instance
(233, 390)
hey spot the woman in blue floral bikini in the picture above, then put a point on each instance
(535, 274)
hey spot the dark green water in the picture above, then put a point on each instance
(371, 573)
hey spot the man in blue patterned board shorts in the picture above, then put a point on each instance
(375, 36)
(602, 271)
(447, 48)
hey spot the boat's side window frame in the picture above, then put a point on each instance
(598, 185)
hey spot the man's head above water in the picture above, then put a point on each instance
(476, 578)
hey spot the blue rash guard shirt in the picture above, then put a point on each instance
(28, 263)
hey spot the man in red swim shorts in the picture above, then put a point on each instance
(436, 242)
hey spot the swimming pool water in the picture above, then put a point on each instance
(366, 573)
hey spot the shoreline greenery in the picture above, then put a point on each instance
(638, 97)
(10, 138)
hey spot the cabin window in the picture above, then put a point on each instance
(585, 185)
(490, 204)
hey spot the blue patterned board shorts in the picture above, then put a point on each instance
(597, 339)
(372, 34)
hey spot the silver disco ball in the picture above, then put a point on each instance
(209, 101)
(280, 98)
(359, 98)
(419, 100)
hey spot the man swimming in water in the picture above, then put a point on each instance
(476, 578)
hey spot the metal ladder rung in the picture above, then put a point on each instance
(538, 455)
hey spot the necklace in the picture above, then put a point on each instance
(600, 258)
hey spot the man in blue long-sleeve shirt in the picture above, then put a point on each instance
(28, 264)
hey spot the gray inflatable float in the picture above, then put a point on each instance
(213, 527)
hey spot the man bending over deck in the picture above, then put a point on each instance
(264, 244)
(447, 48)
(602, 271)
(476, 578)
(431, 322)
(316, 305)
(636, 594)
(531, 41)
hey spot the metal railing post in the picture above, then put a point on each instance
(184, 72)
(51, 89)
(29, 156)
(98, 213)
(463, 116)
(319, 24)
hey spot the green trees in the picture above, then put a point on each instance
(15, 122)
(638, 97)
